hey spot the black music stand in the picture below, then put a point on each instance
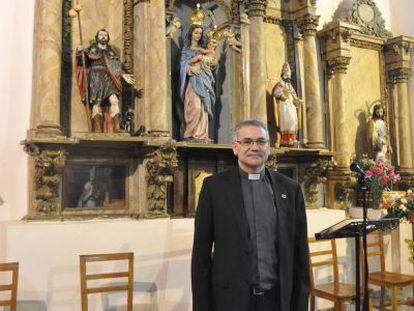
(349, 228)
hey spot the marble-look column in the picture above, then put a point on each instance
(256, 11)
(160, 118)
(308, 25)
(245, 39)
(339, 66)
(45, 117)
(402, 77)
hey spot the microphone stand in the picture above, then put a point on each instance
(363, 185)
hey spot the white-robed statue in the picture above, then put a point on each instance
(197, 81)
(378, 134)
(287, 108)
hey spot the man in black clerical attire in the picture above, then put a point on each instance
(250, 249)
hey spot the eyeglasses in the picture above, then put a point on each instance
(247, 142)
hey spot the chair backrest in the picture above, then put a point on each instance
(12, 267)
(85, 277)
(327, 250)
(375, 248)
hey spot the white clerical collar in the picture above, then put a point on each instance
(255, 176)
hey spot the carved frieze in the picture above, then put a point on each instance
(48, 177)
(160, 170)
(315, 174)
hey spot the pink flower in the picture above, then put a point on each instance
(384, 180)
(377, 170)
(368, 173)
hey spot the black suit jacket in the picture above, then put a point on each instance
(220, 262)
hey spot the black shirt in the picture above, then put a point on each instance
(261, 215)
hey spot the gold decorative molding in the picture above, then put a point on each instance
(160, 171)
(363, 44)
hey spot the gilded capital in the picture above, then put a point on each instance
(308, 24)
(256, 8)
(339, 64)
(400, 75)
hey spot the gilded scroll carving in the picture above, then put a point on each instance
(365, 14)
(344, 190)
(315, 174)
(48, 176)
(160, 170)
(271, 162)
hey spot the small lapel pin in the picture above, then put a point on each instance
(284, 196)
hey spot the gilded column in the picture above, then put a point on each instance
(160, 117)
(340, 179)
(402, 77)
(245, 39)
(45, 118)
(339, 66)
(308, 25)
(256, 11)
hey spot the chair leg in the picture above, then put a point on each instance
(312, 303)
(382, 298)
(394, 298)
(339, 306)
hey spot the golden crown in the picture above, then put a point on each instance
(197, 16)
(214, 35)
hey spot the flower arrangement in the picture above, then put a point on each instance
(403, 207)
(382, 175)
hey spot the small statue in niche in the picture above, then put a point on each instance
(197, 81)
(287, 108)
(378, 133)
(104, 74)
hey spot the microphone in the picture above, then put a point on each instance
(357, 169)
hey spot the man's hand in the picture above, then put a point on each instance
(129, 78)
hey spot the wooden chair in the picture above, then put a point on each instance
(13, 267)
(385, 279)
(337, 292)
(85, 277)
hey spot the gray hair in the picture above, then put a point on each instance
(252, 122)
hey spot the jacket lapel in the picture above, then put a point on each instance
(235, 197)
